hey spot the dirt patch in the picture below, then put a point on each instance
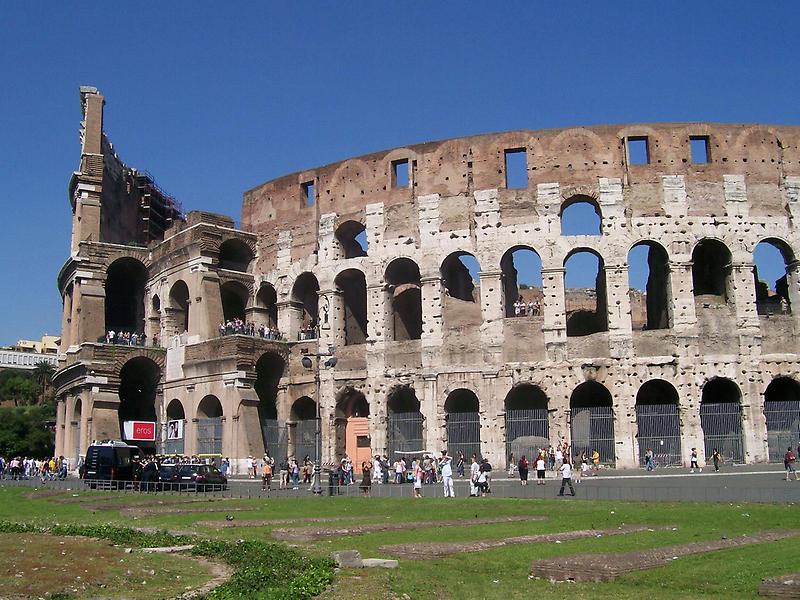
(442, 549)
(268, 522)
(152, 511)
(787, 586)
(309, 534)
(220, 573)
(606, 567)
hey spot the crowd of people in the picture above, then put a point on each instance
(307, 332)
(291, 473)
(125, 338)
(241, 327)
(19, 468)
(527, 309)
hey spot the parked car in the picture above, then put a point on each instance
(198, 477)
(156, 478)
(109, 464)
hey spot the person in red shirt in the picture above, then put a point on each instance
(788, 463)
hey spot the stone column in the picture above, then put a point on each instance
(625, 426)
(331, 331)
(492, 312)
(289, 320)
(206, 314)
(379, 327)
(555, 319)
(747, 320)
(691, 429)
(618, 306)
(61, 416)
(684, 316)
(431, 412)
(432, 334)
(754, 423)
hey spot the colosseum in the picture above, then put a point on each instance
(381, 298)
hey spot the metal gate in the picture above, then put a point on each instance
(209, 436)
(783, 426)
(305, 435)
(464, 434)
(592, 428)
(527, 431)
(169, 447)
(276, 440)
(660, 430)
(404, 433)
(722, 429)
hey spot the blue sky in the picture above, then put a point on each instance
(214, 99)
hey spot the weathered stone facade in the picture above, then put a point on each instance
(410, 329)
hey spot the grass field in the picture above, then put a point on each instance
(501, 572)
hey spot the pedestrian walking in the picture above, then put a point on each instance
(716, 457)
(788, 462)
(447, 475)
(649, 463)
(693, 462)
(266, 476)
(419, 474)
(566, 479)
(474, 473)
(511, 465)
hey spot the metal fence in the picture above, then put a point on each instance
(464, 433)
(404, 434)
(209, 436)
(660, 430)
(783, 426)
(592, 428)
(276, 440)
(527, 431)
(722, 429)
(305, 435)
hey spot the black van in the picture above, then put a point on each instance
(109, 461)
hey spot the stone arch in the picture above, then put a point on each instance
(352, 284)
(352, 238)
(527, 423)
(235, 255)
(463, 422)
(404, 288)
(782, 413)
(179, 307)
(126, 279)
(175, 412)
(658, 422)
(303, 431)
(270, 369)
(404, 421)
(139, 377)
(711, 270)
(721, 419)
(654, 310)
(522, 262)
(267, 305)
(234, 296)
(774, 299)
(576, 216)
(305, 298)
(351, 424)
(209, 426)
(586, 309)
(592, 421)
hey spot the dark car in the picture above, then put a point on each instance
(157, 477)
(109, 464)
(198, 477)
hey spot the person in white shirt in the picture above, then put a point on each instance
(566, 478)
(474, 473)
(540, 468)
(447, 475)
(559, 458)
(377, 475)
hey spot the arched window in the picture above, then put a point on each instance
(305, 296)
(404, 421)
(352, 238)
(209, 426)
(770, 271)
(649, 286)
(270, 368)
(585, 293)
(659, 426)
(522, 282)
(234, 300)
(592, 421)
(527, 426)
(463, 422)
(125, 281)
(302, 442)
(235, 255)
(267, 302)
(721, 419)
(139, 379)
(711, 270)
(353, 286)
(581, 215)
(179, 307)
(782, 412)
(460, 273)
(405, 299)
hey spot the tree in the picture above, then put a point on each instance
(43, 373)
(26, 432)
(22, 390)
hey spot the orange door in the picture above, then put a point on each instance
(357, 443)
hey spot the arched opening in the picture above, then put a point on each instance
(463, 423)
(404, 422)
(711, 271)
(267, 303)
(270, 368)
(581, 215)
(352, 238)
(782, 412)
(522, 282)
(156, 304)
(353, 286)
(460, 274)
(235, 255)
(658, 422)
(771, 259)
(304, 418)
(305, 299)
(527, 423)
(585, 293)
(721, 419)
(209, 427)
(592, 421)
(179, 307)
(404, 286)
(352, 427)
(76, 430)
(234, 300)
(649, 286)
(176, 422)
(125, 281)
(139, 379)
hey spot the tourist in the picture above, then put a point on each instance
(551, 458)
(283, 474)
(595, 460)
(460, 464)
(483, 478)
(377, 469)
(294, 473)
(693, 462)
(366, 479)
(540, 469)
(522, 467)
(511, 465)
(398, 471)
(559, 458)
(648, 459)
(474, 472)
(225, 466)
(266, 476)
(419, 474)
(447, 475)
(789, 460)
(566, 479)
(716, 457)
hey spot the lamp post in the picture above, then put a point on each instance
(316, 486)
